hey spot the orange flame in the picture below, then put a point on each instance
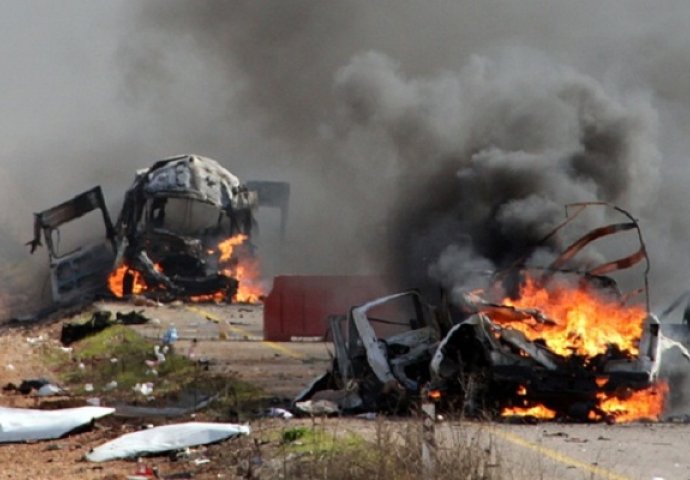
(244, 268)
(116, 281)
(601, 381)
(232, 263)
(250, 290)
(227, 246)
(585, 324)
(645, 404)
(537, 411)
(434, 395)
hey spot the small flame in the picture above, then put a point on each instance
(116, 281)
(601, 381)
(522, 390)
(537, 411)
(434, 395)
(227, 246)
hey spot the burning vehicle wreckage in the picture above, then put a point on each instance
(556, 342)
(184, 232)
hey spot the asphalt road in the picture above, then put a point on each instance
(649, 451)
(231, 337)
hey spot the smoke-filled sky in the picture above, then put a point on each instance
(456, 128)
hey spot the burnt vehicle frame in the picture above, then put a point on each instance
(483, 367)
(382, 351)
(174, 263)
(477, 366)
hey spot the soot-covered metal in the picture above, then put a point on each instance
(165, 241)
(560, 341)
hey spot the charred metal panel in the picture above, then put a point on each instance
(177, 257)
(381, 354)
(273, 194)
(48, 220)
(80, 274)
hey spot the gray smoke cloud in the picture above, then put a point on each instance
(409, 130)
(493, 152)
(370, 141)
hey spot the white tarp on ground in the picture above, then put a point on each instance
(165, 439)
(23, 424)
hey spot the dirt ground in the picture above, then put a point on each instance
(230, 338)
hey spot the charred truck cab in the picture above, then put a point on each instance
(173, 217)
(183, 223)
(382, 354)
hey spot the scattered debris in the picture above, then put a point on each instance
(35, 340)
(50, 389)
(112, 385)
(367, 416)
(99, 321)
(170, 336)
(21, 425)
(275, 412)
(185, 405)
(27, 386)
(145, 389)
(143, 472)
(317, 407)
(133, 318)
(73, 332)
(165, 439)
(382, 354)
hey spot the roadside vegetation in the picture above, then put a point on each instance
(111, 363)
(116, 362)
(352, 450)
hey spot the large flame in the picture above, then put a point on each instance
(576, 320)
(250, 289)
(645, 404)
(586, 323)
(619, 407)
(234, 261)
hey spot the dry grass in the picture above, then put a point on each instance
(353, 450)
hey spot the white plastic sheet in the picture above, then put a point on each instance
(23, 424)
(165, 439)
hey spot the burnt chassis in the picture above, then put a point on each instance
(380, 364)
(184, 266)
(141, 240)
(478, 366)
(481, 366)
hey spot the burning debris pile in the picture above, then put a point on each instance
(559, 341)
(184, 232)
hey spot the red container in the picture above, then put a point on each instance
(299, 305)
